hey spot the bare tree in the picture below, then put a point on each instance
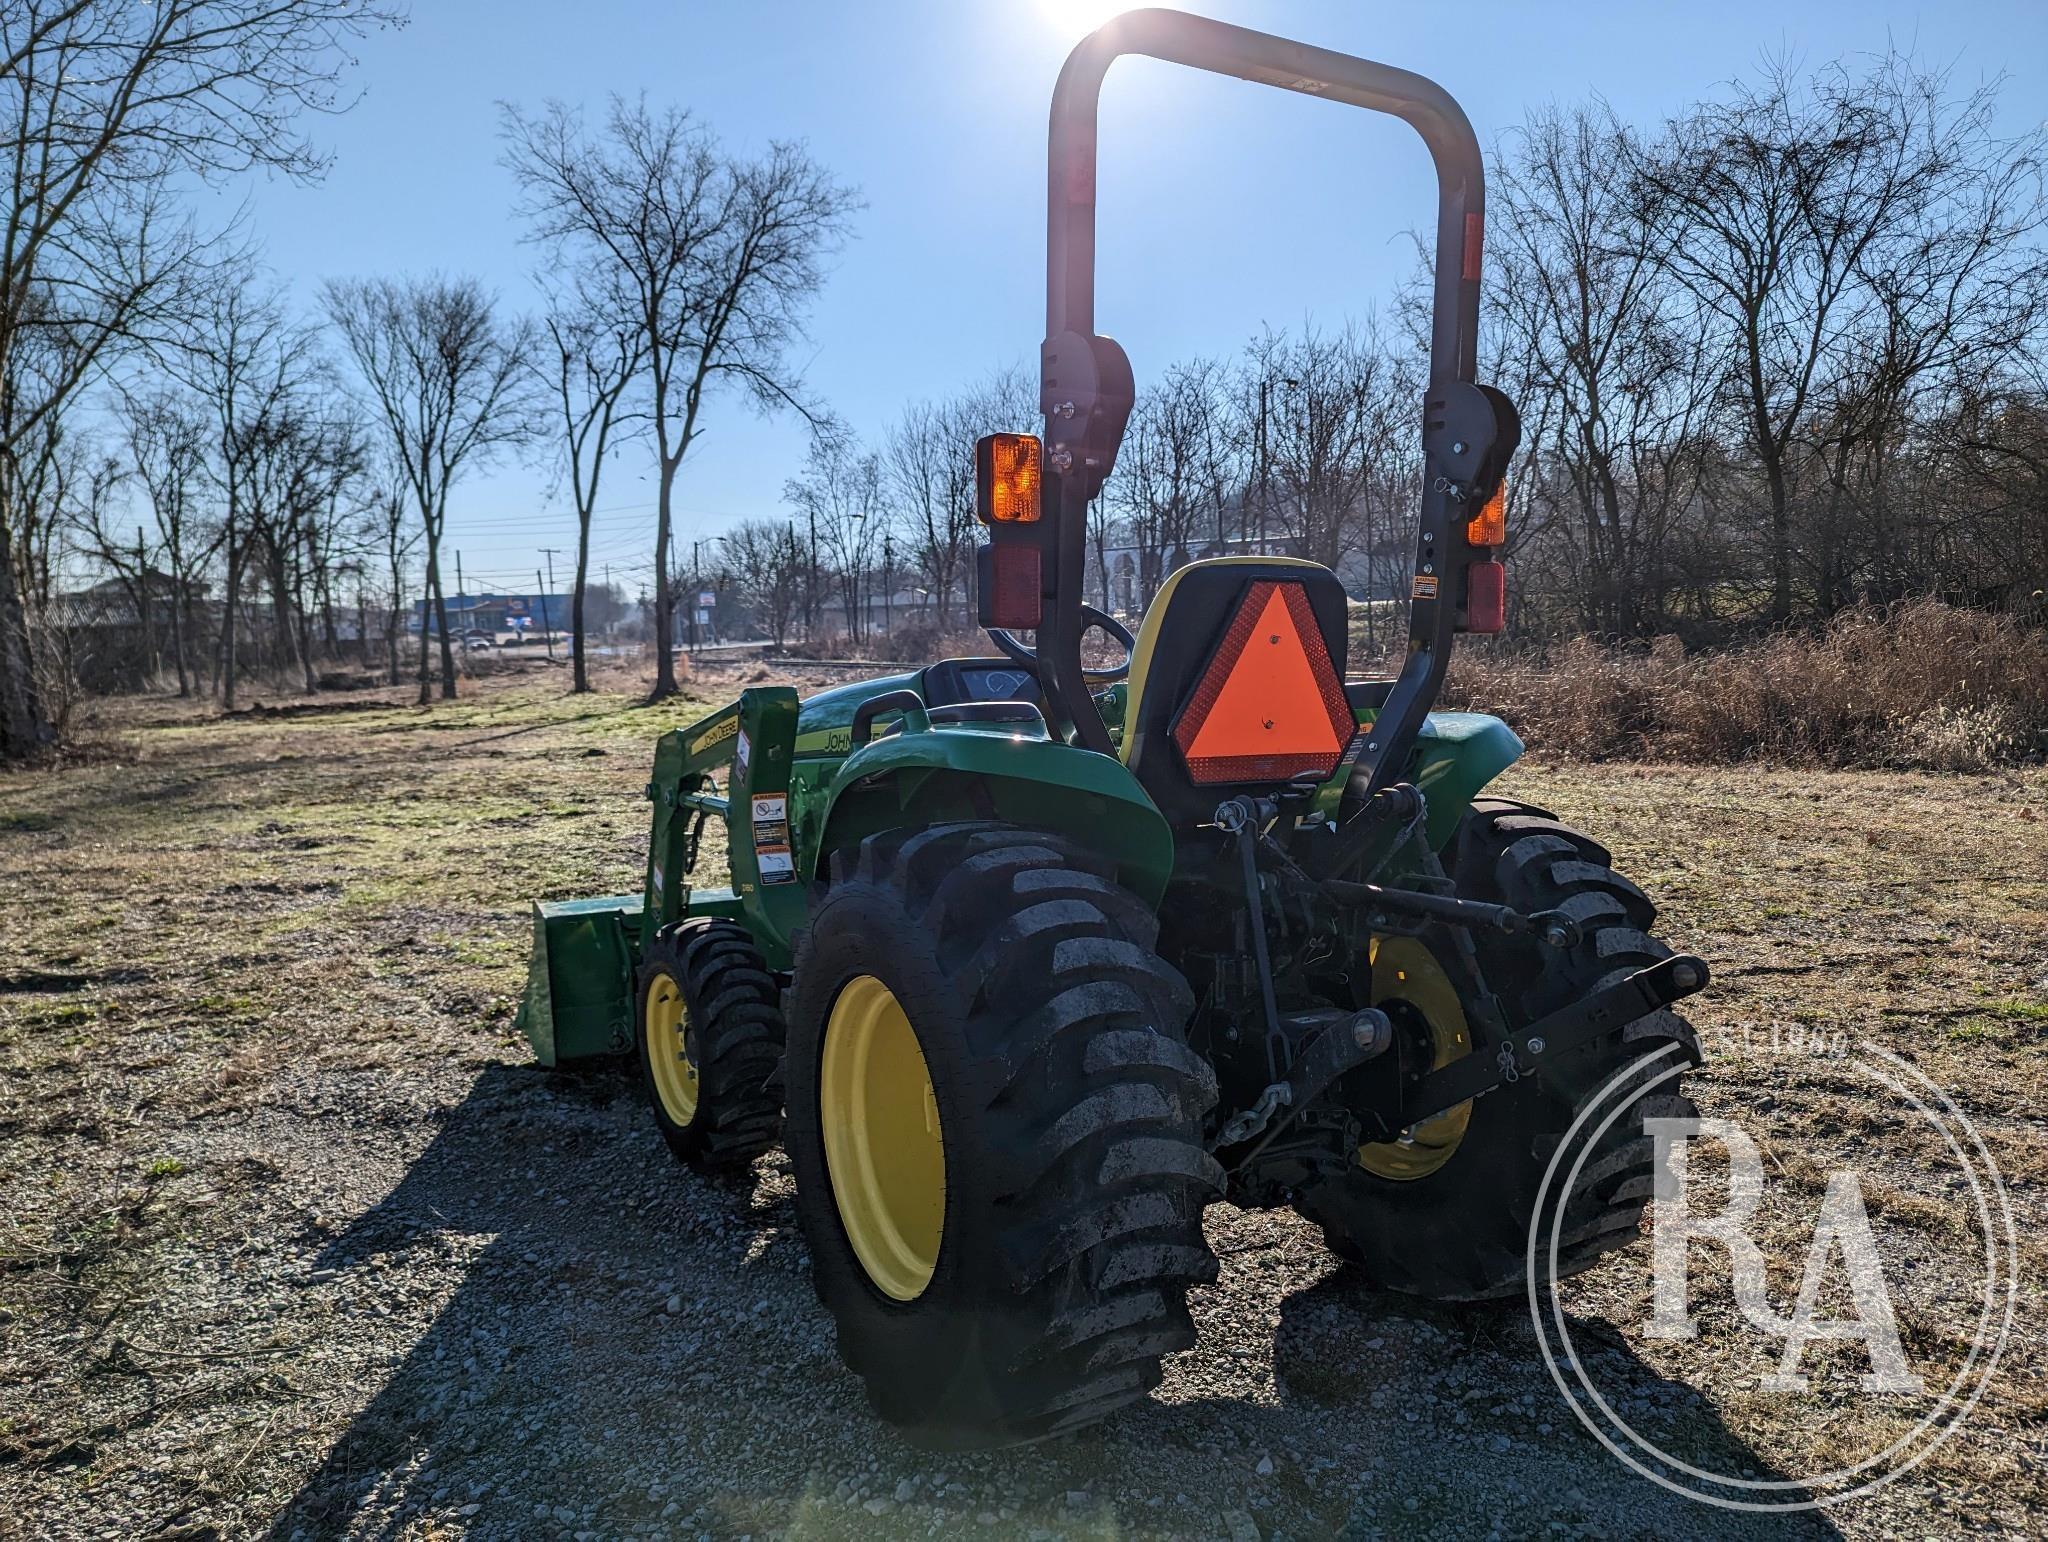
(447, 378)
(1174, 472)
(714, 259)
(247, 362)
(769, 564)
(1341, 419)
(1955, 293)
(1614, 372)
(592, 357)
(167, 441)
(108, 104)
(37, 464)
(1771, 204)
(302, 458)
(929, 473)
(87, 504)
(397, 538)
(928, 469)
(838, 494)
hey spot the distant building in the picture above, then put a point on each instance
(111, 601)
(495, 614)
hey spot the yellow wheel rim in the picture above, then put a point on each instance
(1404, 970)
(883, 1150)
(675, 1079)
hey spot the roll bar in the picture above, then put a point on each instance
(1086, 388)
(1223, 49)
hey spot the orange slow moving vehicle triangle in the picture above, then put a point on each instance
(1270, 706)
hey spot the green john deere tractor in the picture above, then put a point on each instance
(1027, 961)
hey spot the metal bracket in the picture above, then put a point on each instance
(1552, 927)
(1240, 818)
(1345, 1043)
(1616, 1006)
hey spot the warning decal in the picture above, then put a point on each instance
(771, 819)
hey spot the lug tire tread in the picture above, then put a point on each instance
(735, 1037)
(1475, 1249)
(1081, 1139)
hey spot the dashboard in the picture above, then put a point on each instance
(957, 680)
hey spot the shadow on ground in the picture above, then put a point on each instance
(1453, 1444)
(623, 1346)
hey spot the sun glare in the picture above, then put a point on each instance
(1074, 19)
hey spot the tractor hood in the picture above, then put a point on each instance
(824, 723)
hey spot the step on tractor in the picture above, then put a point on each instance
(1027, 959)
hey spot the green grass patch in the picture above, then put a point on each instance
(1996, 1031)
(2019, 1009)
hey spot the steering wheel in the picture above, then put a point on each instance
(1090, 617)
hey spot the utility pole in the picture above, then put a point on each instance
(696, 588)
(888, 570)
(363, 612)
(459, 607)
(1265, 387)
(811, 581)
(1265, 458)
(142, 605)
(547, 629)
(549, 553)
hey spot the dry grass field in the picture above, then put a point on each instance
(293, 1236)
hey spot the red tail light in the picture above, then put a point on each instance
(1012, 596)
(1486, 597)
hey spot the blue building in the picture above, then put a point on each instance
(496, 614)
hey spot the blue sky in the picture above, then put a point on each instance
(1224, 206)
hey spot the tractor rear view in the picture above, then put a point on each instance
(1027, 962)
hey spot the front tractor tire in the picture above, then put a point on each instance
(710, 1029)
(1446, 1213)
(995, 1125)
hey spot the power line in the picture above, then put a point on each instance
(567, 517)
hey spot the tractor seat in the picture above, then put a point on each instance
(1237, 683)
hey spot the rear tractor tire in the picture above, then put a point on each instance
(711, 1034)
(996, 1129)
(1446, 1213)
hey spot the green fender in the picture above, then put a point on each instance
(965, 772)
(1457, 754)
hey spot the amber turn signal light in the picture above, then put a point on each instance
(1489, 527)
(1008, 478)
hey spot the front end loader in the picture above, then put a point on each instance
(1028, 961)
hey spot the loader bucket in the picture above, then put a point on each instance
(579, 980)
